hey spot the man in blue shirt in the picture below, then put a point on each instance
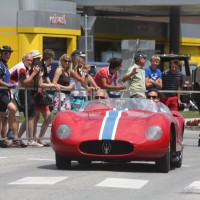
(153, 76)
(5, 99)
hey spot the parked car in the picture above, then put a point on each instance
(125, 130)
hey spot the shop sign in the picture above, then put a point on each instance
(58, 20)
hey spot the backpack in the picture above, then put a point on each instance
(3, 71)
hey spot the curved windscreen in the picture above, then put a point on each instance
(126, 103)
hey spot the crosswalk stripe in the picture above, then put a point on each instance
(39, 180)
(123, 183)
(194, 187)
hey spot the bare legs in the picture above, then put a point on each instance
(47, 120)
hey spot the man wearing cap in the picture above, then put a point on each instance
(5, 99)
(36, 56)
(136, 77)
(78, 53)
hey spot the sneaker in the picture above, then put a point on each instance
(32, 143)
(3, 144)
(18, 143)
(10, 134)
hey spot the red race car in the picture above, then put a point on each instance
(122, 130)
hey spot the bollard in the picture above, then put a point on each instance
(199, 141)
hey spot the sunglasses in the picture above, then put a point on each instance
(6, 52)
(69, 61)
(151, 97)
(99, 97)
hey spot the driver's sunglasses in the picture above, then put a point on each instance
(152, 97)
(99, 97)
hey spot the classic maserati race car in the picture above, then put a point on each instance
(113, 130)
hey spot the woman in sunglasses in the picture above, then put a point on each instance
(62, 78)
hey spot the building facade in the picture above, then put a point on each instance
(39, 24)
(26, 25)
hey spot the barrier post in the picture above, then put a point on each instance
(26, 112)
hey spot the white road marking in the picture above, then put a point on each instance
(38, 180)
(40, 159)
(2, 157)
(185, 165)
(123, 183)
(193, 188)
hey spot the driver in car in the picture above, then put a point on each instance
(153, 94)
(100, 94)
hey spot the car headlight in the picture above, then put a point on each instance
(154, 133)
(64, 131)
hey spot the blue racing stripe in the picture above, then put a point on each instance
(109, 125)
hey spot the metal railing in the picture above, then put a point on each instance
(91, 95)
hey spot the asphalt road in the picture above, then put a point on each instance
(31, 173)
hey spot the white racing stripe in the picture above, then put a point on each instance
(109, 125)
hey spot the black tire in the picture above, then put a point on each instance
(62, 162)
(177, 160)
(84, 162)
(163, 163)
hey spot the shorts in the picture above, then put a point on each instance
(4, 101)
(30, 102)
(44, 108)
(16, 114)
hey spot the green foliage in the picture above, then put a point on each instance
(190, 114)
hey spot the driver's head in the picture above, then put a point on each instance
(101, 94)
(153, 94)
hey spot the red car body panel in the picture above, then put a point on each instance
(131, 129)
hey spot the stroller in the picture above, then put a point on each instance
(186, 99)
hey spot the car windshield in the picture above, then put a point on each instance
(126, 103)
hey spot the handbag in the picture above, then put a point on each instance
(42, 99)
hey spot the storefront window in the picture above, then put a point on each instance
(58, 45)
(104, 50)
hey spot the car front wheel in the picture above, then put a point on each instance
(163, 163)
(62, 162)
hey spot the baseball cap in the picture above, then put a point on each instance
(36, 54)
(138, 56)
(6, 48)
(78, 53)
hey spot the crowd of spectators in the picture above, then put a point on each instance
(72, 85)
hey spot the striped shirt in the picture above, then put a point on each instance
(171, 81)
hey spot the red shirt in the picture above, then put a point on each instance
(104, 73)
